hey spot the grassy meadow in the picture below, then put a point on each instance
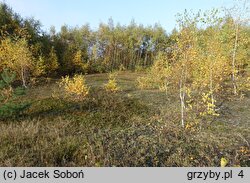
(116, 94)
(131, 127)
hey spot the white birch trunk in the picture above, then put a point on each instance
(234, 59)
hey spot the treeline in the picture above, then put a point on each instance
(80, 49)
(29, 51)
(108, 48)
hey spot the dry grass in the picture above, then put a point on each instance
(130, 128)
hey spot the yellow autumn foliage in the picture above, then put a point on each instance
(112, 85)
(78, 63)
(157, 77)
(15, 55)
(75, 88)
(209, 102)
(223, 162)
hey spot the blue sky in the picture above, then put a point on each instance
(79, 12)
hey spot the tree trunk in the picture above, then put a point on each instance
(211, 85)
(234, 59)
(145, 60)
(23, 77)
(182, 99)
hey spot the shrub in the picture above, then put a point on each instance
(144, 83)
(8, 106)
(157, 76)
(75, 89)
(122, 68)
(139, 68)
(111, 86)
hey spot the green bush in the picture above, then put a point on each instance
(9, 106)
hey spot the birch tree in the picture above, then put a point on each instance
(15, 55)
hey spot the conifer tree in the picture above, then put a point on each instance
(52, 61)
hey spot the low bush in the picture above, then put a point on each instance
(74, 88)
(10, 107)
(111, 86)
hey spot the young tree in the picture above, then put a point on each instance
(185, 55)
(239, 15)
(75, 88)
(112, 85)
(9, 108)
(15, 55)
(79, 66)
(52, 61)
(39, 66)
